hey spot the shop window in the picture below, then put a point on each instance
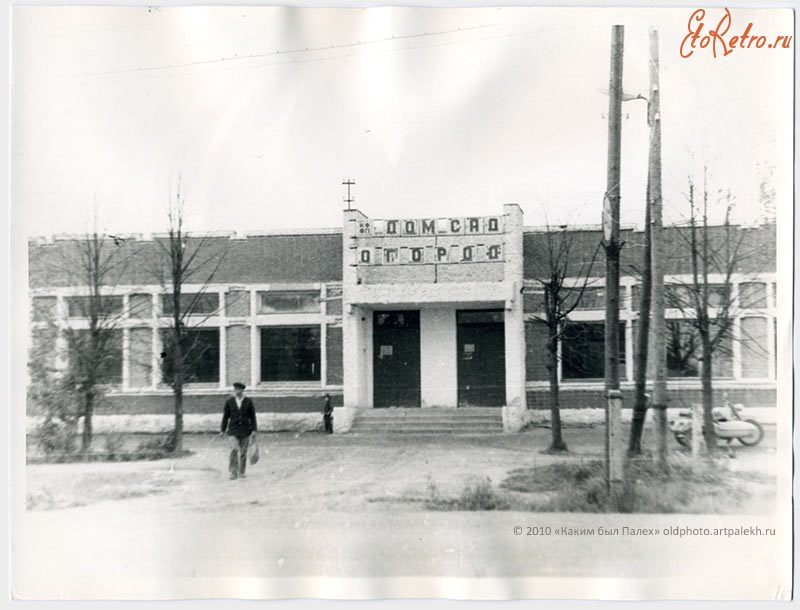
(102, 307)
(98, 355)
(684, 352)
(200, 348)
(290, 353)
(296, 301)
(583, 350)
(192, 303)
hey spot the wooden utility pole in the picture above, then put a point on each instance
(612, 247)
(657, 241)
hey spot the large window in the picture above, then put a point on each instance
(199, 303)
(685, 350)
(583, 350)
(290, 353)
(200, 349)
(98, 355)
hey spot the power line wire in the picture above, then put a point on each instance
(350, 45)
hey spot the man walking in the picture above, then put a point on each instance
(239, 422)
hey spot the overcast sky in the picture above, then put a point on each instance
(262, 112)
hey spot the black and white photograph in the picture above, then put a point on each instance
(394, 302)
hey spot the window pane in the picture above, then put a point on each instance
(334, 306)
(592, 298)
(237, 303)
(718, 295)
(754, 348)
(104, 306)
(200, 348)
(44, 308)
(288, 302)
(141, 306)
(583, 350)
(753, 295)
(533, 300)
(290, 353)
(722, 358)
(97, 355)
(192, 303)
(683, 349)
(678, 297)
(683, 296)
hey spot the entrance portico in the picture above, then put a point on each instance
(438, 322)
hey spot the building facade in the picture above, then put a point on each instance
(418, 313)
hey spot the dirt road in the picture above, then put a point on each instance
(332, 508)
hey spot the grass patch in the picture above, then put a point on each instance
(707, 487)
(477, 495)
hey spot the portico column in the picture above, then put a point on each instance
(354, 320)
(514, 319)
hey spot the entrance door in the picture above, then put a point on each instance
(481, 358)
(396, 374)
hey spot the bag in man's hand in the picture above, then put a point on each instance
(253, 450)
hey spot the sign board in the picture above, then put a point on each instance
(428, 241)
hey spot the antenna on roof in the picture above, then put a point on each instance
(349, 199)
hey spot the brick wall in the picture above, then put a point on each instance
(333, 352)
(163, 403)
(536, 351)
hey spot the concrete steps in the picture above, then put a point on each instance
(467, 420)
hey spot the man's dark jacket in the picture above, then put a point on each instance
(239, 422)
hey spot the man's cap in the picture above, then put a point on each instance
(239, 386)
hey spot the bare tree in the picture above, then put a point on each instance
(707, 305)
(94, 264)
(183, 260)
(560, 298)
(50, 395)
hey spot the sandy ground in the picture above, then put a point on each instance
(336, 507)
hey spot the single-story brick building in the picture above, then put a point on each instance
(440, 313)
